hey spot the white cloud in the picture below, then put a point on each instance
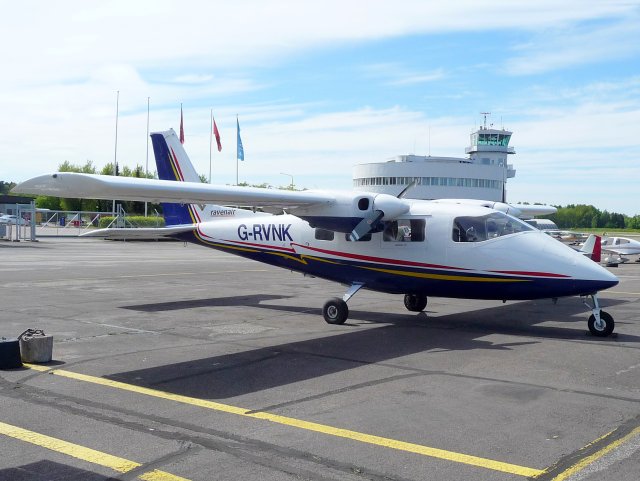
(566, 47)
(64, 61)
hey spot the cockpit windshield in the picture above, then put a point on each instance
(485, 227)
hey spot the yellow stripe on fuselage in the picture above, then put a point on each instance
(443, 277)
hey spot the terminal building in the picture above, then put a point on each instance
(482, 175)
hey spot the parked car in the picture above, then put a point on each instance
(12, 219)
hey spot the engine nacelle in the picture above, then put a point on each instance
(349, 209)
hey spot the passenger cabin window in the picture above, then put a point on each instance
(404, 230)
(485, 227)
(324, 234)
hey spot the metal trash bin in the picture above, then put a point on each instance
(9, 353)
(36, 346)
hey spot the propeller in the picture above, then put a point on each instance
(384, 207)
(366, 225)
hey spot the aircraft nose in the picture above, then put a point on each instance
(598, 277)
(607, 279)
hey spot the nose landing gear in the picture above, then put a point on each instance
(600, 323)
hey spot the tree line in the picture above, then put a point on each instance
(587, 216)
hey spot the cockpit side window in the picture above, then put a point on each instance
(486, 227)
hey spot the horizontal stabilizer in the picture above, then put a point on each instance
(142, 233)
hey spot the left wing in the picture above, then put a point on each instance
(523, 211)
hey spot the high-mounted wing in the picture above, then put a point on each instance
(91, 186)
(338, 211)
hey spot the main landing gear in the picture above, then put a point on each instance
(415, 302)
(600, 322)
(336, 311)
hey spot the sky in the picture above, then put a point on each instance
(319, 87)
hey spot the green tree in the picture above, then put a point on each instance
(5, 187)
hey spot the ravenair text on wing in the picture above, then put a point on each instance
(222, 212)
(265, 232)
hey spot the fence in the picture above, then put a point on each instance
(33, 223)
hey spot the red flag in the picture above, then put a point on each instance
(181, 126)
(217, 135)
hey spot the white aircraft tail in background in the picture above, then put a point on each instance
(592, 248)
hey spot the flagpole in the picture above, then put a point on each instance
(237, 134)
(146, 166)
(115, 149)
(210, 144)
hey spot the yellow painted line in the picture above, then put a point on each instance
(583, 463)
(116, 463)
(306, 425)
(623, 293)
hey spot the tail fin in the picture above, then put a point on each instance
(173, 163)
(592, 248)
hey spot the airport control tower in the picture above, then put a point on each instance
(482, 175)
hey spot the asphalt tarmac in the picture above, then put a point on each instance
(176, 362)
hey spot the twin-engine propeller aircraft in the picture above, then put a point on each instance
(459, 249)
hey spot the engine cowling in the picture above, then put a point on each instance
(349, 211)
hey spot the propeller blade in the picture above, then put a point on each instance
(366, 225)
(413, 183)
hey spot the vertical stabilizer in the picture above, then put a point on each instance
(173, 163)
(592, 248)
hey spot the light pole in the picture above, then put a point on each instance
(282, 173)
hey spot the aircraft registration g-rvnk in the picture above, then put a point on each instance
(458, 249)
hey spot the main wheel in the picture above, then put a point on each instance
(415, 302)
(602, 328)
(335, 311)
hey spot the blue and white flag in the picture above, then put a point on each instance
(240, 148)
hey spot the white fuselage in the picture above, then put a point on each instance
(523, 265)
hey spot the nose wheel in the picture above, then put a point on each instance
(600, 323)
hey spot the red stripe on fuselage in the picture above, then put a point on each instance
(382, 260)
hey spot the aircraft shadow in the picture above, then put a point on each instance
(249, 300)
(239, 373)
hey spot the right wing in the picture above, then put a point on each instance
(337, 211)
(107, 187)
